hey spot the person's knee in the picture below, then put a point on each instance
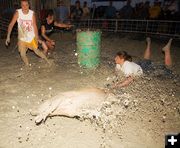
(36, 50)
(22, 51)
(44, 46)
(23, 54)
(22, 47)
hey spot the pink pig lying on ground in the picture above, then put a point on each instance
(72, 104)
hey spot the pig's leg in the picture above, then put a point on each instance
(46, 109)
(59, 105)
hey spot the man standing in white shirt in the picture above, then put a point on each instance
(27, 31)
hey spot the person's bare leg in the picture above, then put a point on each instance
(167, 57)
(147, 52)
(45, 48)
(41, 54)
(24, 57)
(22, 49)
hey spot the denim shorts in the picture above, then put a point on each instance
(146, 65)
(149, 68)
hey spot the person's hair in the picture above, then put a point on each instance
(124, 55)
(77, 2)
(25, 1)
(50, 13)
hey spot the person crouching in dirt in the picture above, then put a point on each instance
(133, 70)
(27, 31)
(46, 30)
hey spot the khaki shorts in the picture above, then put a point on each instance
(25, 45)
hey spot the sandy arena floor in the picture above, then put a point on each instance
(140, 116)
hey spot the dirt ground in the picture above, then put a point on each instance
(139, 116)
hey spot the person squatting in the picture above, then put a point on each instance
(46, 29)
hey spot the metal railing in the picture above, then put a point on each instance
(160, 27)
(4, 22)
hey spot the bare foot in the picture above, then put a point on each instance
(50, 62)
(148, 40)
(26, 68)
(168, 45)
(27, 65)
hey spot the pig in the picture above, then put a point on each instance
(72, 104)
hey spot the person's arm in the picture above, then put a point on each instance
(62, 25)
(35, 27)
(124, 83)
(43, 33)
(10, 27)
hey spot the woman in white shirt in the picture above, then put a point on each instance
(132, 70)
(27, 32)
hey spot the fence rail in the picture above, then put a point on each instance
(159, 27)
(4, 26)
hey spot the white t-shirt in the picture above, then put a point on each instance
(25, 26)
(130, 69)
